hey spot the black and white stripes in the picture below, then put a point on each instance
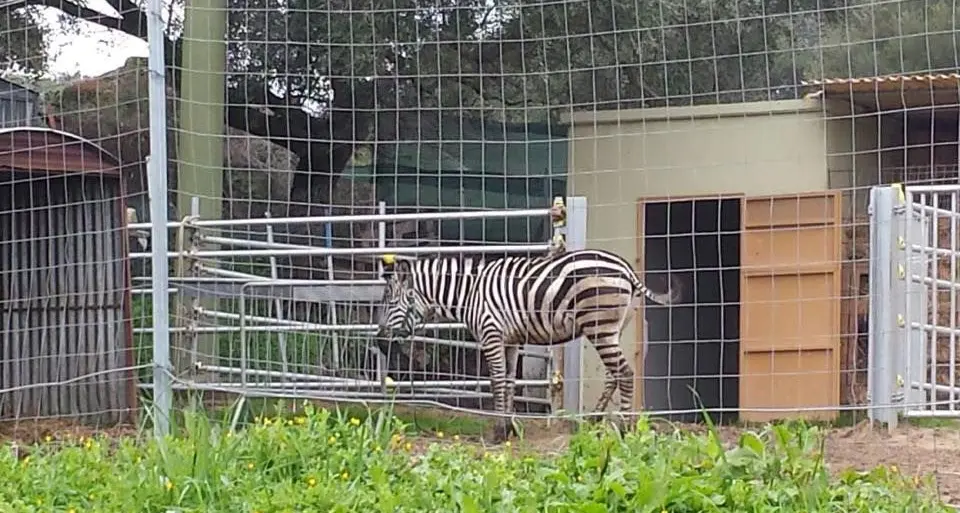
(511, 301)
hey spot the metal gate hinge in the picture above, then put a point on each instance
(900, 321)
(899, 381)
(901, 243)
(901, 272)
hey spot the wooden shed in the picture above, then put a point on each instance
(65, 301)
(734, 201)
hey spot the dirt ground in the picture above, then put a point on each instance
(920, 451)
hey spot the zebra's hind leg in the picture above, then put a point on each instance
(619, 374)
(626, 378)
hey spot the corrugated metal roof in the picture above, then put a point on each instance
(887, 82)
(893, 92)
(44, 150)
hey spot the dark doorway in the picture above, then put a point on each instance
(694, 346)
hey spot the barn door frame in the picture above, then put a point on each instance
(639, 265)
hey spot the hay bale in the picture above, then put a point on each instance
(854, 308)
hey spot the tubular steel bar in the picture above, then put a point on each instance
(411, 250)
(360, 218)
(412, 396)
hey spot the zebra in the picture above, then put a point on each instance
(506, 302)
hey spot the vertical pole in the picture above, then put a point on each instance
(912, 296)
(543, 368)
(878, 336)
(277, 303)
(381, 235)
(157, 183)
(889, 337)
(572, 362)
(331, 305)
(201, 105)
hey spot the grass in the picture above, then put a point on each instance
(415, 420)
(321, 460)
(932, 422)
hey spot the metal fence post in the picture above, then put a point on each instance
(572, 363)
(880, 372)
(157, 173)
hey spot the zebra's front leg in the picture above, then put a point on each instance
(512, 355)
(494, 352)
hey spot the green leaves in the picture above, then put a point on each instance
(325, 462)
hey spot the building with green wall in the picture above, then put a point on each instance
(468, 164)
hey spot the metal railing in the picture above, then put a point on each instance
(208, 276)
(913, 311)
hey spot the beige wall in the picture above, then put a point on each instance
(760, 148)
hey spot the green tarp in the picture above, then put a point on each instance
(473, 165)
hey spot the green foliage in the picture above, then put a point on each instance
(23, 50)
(880, 38)
(324, 461)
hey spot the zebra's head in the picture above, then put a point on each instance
(403, 308)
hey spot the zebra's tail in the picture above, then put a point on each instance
(673, 294)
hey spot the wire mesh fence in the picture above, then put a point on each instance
(728, 146)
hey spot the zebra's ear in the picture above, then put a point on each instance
(402, 267)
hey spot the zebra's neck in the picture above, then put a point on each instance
(445, 283)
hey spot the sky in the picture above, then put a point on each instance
(96, 50)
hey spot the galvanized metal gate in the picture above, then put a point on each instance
(914, 302)
(266, 347)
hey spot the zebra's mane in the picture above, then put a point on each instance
(481, 259)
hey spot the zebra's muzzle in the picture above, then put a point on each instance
(392, 333)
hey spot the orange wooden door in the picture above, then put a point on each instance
(790, 306)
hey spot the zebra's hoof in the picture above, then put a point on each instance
(502, 430)
(621, 423)
(598, 417)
